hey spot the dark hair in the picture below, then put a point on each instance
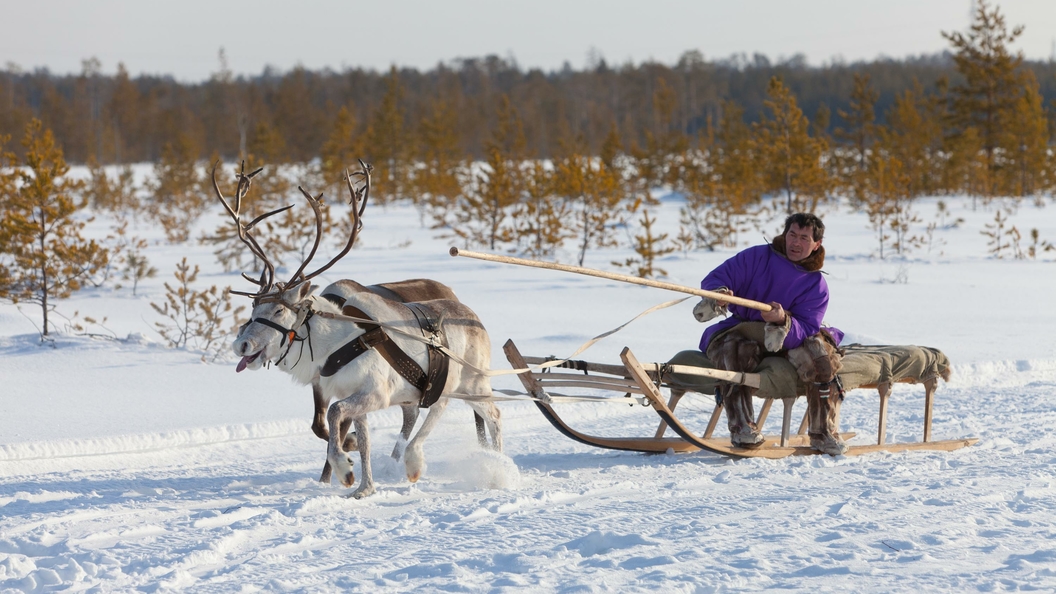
(806, 219)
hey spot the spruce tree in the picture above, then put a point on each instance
(44, 256)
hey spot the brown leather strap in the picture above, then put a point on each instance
(430, 323)
(389, 350)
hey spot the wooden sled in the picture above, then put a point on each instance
(635, 378)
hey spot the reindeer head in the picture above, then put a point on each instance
(281, 308)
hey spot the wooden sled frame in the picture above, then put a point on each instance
(635, 378)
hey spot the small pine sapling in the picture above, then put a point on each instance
(117, 195)
(996, 233)
(195, 318)
(1037, 245)
(649, 247)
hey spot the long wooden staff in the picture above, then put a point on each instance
(613, 276)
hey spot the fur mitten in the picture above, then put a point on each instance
(708, 309)
(774, 335)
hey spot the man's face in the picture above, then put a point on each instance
(799, 242)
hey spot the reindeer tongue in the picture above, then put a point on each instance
(242, 364)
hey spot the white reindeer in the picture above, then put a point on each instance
(309, 337)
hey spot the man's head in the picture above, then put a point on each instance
(803, 234)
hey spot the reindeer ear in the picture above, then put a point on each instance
(298, 292)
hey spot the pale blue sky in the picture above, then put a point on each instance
(183, 38)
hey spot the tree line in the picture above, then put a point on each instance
(527, 162)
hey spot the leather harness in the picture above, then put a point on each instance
(430, 383)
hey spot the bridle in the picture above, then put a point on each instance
(303, 312)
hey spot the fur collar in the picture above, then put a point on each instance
(811, 263)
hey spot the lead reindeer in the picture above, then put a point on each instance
(404, 291)
(362, 366)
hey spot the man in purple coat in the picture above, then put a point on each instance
(785, 274)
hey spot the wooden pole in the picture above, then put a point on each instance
(613, 276)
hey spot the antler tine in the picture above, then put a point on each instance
(357, 222)
(244, 181)
(314, 203)
(252, 280)
(220, 195)
(267, 276)
(365, 191)
(254, 222)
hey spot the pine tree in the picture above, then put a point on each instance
(541, 220)
(177, 198)
(489, 196)
(662, 143)
(389, 145)
(913, 135)
(106, 193)
(437, 181)
(595, 190)
(342, 148)
(736, 160)
(44, 258)
(991, 87)
(859, 134)
(648, 247)
(791, 157)
(1027, 141)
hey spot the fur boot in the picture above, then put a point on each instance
(817, 361)
(733, 352)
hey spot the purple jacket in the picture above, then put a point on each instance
(761, 273)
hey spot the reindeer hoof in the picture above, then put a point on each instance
(413, 477)
(349, 479)
(325, 476)
(362, 492)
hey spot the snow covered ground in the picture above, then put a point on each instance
(125, 465)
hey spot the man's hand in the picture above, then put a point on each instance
(776, 315)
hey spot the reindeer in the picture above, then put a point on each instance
(363, 350)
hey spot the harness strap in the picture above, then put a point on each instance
(374, 338)
(439, 363)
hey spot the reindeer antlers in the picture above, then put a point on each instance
(355, 195)
(267, 276)
(357, 200)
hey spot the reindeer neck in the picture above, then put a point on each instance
(317, 337)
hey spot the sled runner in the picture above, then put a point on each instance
(864, 367)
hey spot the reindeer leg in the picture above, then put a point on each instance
(487, 413)
(413, 458)
(366, 485)
(321, 431)
(319, 420)
(410, 417)
(482, 438)
(340, 416)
